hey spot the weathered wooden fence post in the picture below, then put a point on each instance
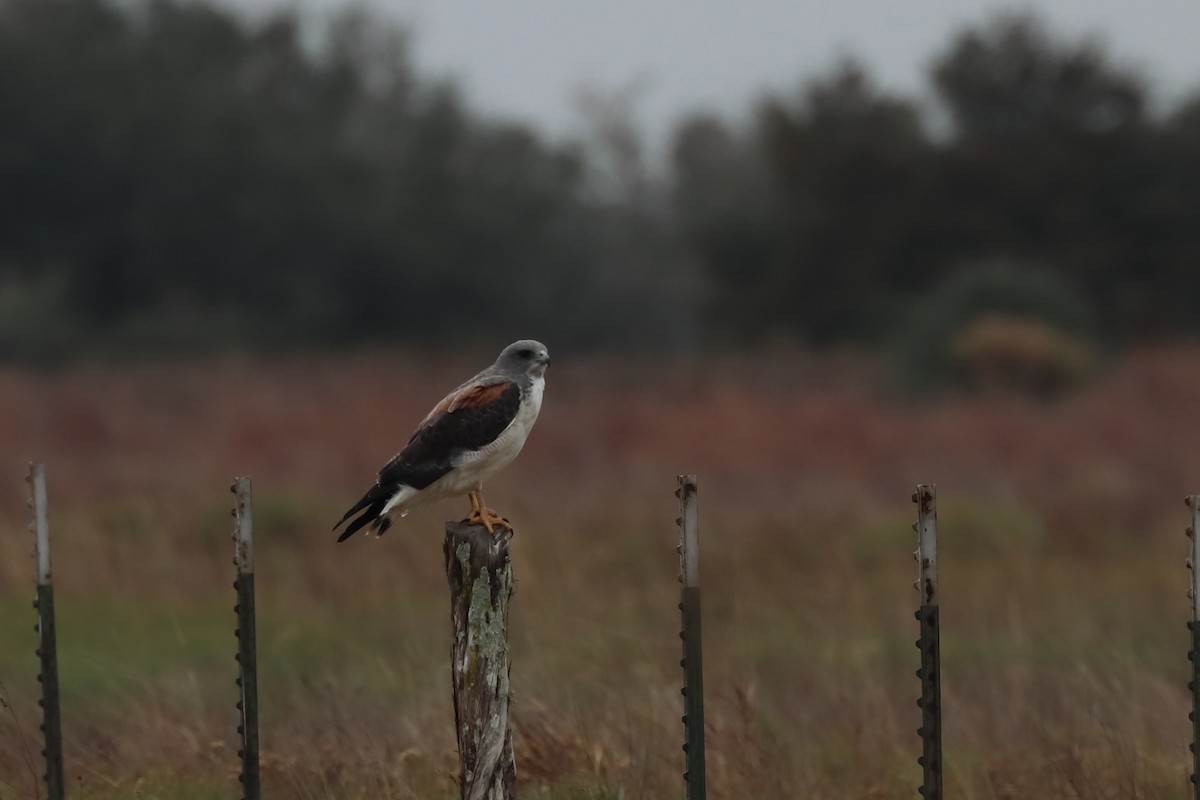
(480, 576)
(1193, 563)
(47, 643)
(247, 654)
(930, 672)
(693, 654)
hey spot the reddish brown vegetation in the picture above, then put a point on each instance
(1064, 646)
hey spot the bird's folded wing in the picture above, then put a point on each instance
(467, 419)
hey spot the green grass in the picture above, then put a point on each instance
(1062, 587)
(816, 691)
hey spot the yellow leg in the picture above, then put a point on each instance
(483, 515)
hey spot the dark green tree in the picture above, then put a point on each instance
(179, 175)
(810, 223)
(1050, 159)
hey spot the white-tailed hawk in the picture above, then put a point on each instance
(475, 431)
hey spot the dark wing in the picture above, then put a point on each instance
(467, 419)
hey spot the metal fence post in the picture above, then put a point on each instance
(247, 655)
(47, 643)
(930, 672)
(1193, 564)
(693, 660)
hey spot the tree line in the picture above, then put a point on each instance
(173, 176)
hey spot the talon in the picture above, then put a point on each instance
(489, 519)
(482, 515)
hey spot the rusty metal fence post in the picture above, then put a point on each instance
(693, 660)
(1193, 564)
(47, 643)
(930, 672)
(247, 654)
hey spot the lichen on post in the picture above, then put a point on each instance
(480, 577)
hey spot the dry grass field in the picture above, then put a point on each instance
(1062, 571)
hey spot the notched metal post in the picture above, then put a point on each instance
(47, 642)
(247, 654)
(693, 660)
(930, 672)
(1193, 593)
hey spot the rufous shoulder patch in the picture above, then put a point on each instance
(476, 396)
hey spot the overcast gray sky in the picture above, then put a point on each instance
(527, 59)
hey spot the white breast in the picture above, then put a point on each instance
(473, 468)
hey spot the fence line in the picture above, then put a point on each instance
(693, 659)
(47, 637)
(247, 654)
(929, 642)
(692, 662)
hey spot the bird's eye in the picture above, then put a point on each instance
(526, 353)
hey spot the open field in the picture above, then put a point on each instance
(1062, 580)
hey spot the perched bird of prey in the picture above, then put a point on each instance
(474, 432)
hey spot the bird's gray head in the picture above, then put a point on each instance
(527, 357)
